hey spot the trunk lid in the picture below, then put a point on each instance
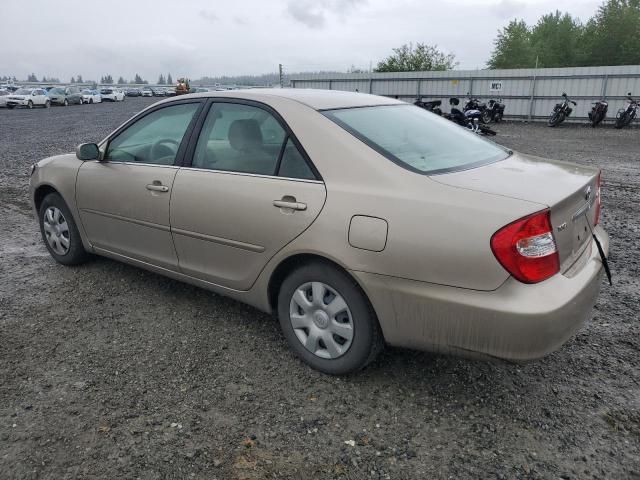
(569, 191)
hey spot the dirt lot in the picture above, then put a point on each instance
(107, 371)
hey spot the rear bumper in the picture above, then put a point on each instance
(515, 322)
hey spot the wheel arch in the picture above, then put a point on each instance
(42, 191)
(289, 264)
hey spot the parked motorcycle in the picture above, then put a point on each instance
(431, 105)
(561, 111)
(626, 115)
(475, 104)
(598, 112)
(469, 119)
(494, 111)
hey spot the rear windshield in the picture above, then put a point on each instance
(416, 139)
(23, 91)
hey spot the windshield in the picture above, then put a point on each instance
(87, 92)
(416, 139)
(59, 91)
(23, 91)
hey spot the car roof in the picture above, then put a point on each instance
(314, 98)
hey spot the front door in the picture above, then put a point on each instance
(124, 199)
(248, 192)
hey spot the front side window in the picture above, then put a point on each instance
(417, 139)
(155, 138)
(239, 138)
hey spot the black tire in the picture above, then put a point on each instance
(367, 340)
(498, 117)
(65, 103)
(11, 107)
(47, 104)
(486, 116)
(29, 104)
(623, 120)
(91, 100)
(555, 119)
(76, 253)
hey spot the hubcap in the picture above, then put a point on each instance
(56, 230)
(321, 320)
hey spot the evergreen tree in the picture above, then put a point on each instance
(169, 79)
(512, 48)
(161, 80)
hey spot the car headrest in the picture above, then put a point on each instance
(245, 134)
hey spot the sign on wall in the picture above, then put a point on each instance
(495, 86)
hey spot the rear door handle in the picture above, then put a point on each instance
(156, 187)
(292, 205)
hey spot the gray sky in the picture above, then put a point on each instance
(246, 36)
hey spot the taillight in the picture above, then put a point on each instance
(596, 217)
(527, 249)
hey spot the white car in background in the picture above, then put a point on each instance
(147, 92)
(28, 97)
(91, 96)
(112, 94)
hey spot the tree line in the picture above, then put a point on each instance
(105, 79)
(610, 37)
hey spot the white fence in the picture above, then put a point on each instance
(527, 93)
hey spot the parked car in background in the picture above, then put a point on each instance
(199, 90)
(29, 98)
(91, 96)
(146, 92)
(65, 96)
(170, 92)
(132, 92)
(158, 92)
(3, 98)
(112, 94)
(429, 237)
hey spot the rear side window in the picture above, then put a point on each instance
(248, 139)
(416, 139)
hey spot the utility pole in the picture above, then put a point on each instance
(281, 77)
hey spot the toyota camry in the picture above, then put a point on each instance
(357, 220)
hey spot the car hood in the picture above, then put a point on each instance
(18, 97)
(524, 177)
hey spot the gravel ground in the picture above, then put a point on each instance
(107, 371)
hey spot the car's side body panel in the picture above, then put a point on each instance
(226, 227)
(122, 215)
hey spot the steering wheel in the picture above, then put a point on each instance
(164, 148)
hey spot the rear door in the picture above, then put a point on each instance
(124, 199)
(249, 190)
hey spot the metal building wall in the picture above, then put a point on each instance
(527, 93)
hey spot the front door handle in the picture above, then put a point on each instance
(291, 204)
(157, 187)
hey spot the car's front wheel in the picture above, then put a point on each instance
(66, 103)
(29, 104)
(59, 231)
(327, 319)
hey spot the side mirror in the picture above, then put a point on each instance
(87, 151)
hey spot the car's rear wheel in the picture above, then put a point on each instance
(59, 231)
(327, 320)
(47, 104)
